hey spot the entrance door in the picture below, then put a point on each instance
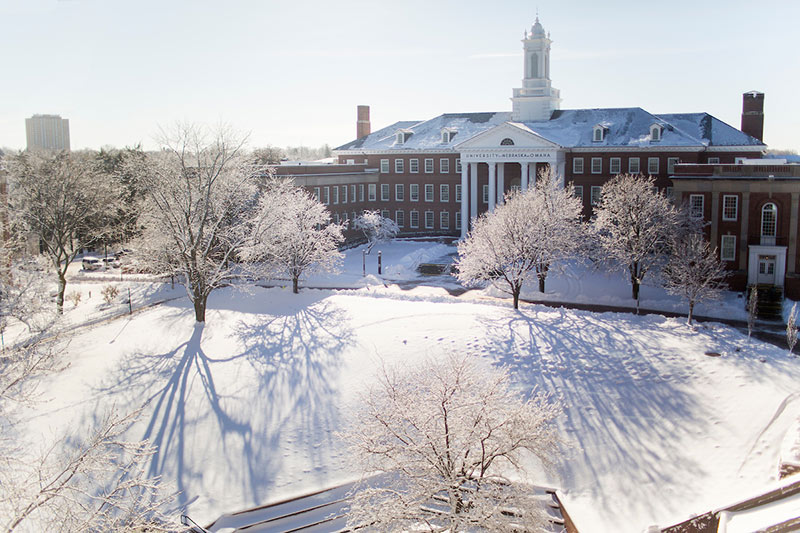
(766, 269)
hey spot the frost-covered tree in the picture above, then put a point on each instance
(693, 271)
(292, 233)
(791, 329)
(85, 484)
(447, 433)
(634, 226)
(375, 227)
(524, 236)
(752, 310)
(61, 200)
(200, 192)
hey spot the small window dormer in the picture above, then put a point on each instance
(599, 133)
(656, 132)
(448, 134)
(507, 142)
(402, 136)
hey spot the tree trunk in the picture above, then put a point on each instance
(691, 309)
(295, 288)
(515, 294)
(62, 289)
(541, 283)
(200, 306)
(635, 289)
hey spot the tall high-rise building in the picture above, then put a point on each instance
(49, 132)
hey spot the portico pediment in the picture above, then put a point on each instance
(507, 136)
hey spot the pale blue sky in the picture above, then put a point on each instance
(292, 73)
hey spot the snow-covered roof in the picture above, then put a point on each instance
(427, 134)
(570, 128)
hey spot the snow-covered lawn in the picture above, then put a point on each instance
(246, 409)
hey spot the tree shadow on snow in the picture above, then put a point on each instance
(219, 421)
(625, 409)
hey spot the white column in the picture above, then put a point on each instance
(473, 190)
(464, 198)
(523, 176)
(501, 183)
(492, 186)
(562, 172)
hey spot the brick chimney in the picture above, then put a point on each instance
(753, 114)
(362, 126)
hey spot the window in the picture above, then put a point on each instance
(577, 165)
(599, 134)
(413, 190)
(769, 219)
(353, 215)
(402, 136)
(669, 193)
(413, 166)
(344, 194)
(317, 194)
(344, 216)
(384, 192)
(444, 192)
(655, 133)
(384, 166)
(458, 219)
(507, 142)
(326, 195)
(428, 219)
(372, 192)
(414, 219)
(399, 166)
(615, 166)
(596, 195)
(486, 194)
(444, 166)
(361, 192)
(400, 218)
(429, 192)
(696, 205)
(353, 193)
(671, 162)
(727, 248)
(335, 194)
(578, 191)
(652, 165)
(429, 166)
(384, 213)
(633, 165)
(458, 192)
(444, 220)
(730, 207)
(399, 192)
(713, 160)
(597, 165)
(458, 166)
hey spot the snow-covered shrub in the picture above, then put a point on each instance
(375, 227)
(110, 293)
(74, 297)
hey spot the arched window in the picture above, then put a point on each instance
(534, 68)
(507, 142)
(769, 223)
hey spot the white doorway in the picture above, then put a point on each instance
(766, 270)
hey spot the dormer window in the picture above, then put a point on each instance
(507, 142)
(599, 133)
(402, 136)
(448, 134)
(656, 131)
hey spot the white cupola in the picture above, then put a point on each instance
(536, 99)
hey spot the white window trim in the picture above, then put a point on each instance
(344, 194)
(413, 166)
(671, 162)
(735, 207)
(444, 220)
(429, 165)
(578, 191)
(385, 192)
(400, 218)
(335, 194)
(399, 192)
(631, 161)
(429, 187)
(399, 166)
(697, 211)
(444, 166)
(595, 200)
(651, 163)
(458, 165)
(618, 161)
(599, 162)
(731, 238)
(458, 192)
(361, 192)
(384, 166)
(411, 216)
(577, 165)
(485, 195)
(444, 192)
(713, 160)
(373, 192)
(411, 188)
(432, 219)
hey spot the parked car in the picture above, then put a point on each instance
(92, 263)
(111, 262)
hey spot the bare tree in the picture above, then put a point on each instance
(694, 272)
(634, 225)
(96, 484)
(752, 310)
(446, 432)
(200, 192)
(59, 198)
(525, 235)
(292, 233)
(791, 329)
(375, 227)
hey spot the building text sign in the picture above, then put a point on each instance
(526, 154)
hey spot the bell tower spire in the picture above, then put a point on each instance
(536, 99)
